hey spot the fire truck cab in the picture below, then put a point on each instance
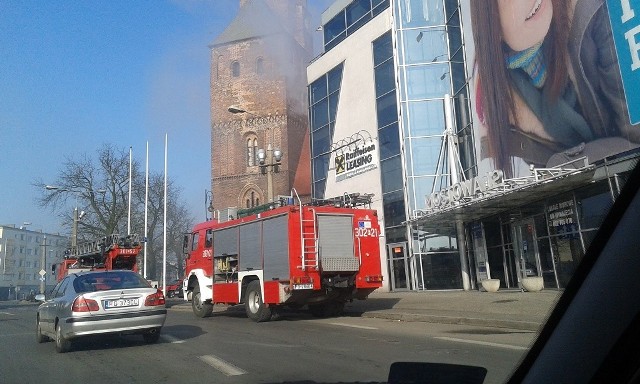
(320, 255)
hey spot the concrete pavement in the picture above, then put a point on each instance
(502, 309)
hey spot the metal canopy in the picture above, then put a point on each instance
(501, 201)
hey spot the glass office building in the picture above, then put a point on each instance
(398, 78)
(398, 60)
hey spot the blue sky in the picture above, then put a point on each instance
(78, 74)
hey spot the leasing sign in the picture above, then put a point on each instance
(354, 162)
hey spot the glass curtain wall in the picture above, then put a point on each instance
(430, 62)
(387, 111)
(350, 19)
(430, 65)
(323, 104)
(391, 162)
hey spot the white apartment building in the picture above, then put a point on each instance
(21, 253)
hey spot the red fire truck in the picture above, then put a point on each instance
(105, 253)
(320, 255)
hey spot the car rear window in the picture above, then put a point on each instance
(108, 280)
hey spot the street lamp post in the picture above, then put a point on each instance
(269, 160)
(269, 164)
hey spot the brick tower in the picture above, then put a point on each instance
(258, 65)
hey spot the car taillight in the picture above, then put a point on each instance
(80, 304)
(155, 299)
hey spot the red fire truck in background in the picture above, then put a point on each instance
(105, 253)
(321, 255)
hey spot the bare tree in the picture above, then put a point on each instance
(99, 186)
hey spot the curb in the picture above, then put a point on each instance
(415, 317)
(480, 322)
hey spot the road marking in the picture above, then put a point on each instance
(30, 334)
(487, 343)
(171, 339)
(352, 326)
(222, 366)
(7, 313)
(267, 345)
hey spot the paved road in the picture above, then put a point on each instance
(229, 348)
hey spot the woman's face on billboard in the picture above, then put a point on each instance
(524, 22)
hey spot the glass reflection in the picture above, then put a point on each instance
(429, 81)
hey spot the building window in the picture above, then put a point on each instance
(218, 67)
(260, 66)
(350, 19)
(251, 199)
(235, 69)
(323, 101)
(252, 151)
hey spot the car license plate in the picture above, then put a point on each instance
(303, 286)
(120, 303)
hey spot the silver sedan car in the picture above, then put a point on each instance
(104, 302)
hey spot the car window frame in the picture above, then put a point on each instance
(62, 288)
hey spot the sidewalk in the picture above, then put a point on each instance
(503, 309)
(525, 311)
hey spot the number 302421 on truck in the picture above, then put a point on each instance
(321, 255)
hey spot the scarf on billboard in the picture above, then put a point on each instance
(561, 119)
(531, 61)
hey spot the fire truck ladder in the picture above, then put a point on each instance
(308, 237)
(95, 246)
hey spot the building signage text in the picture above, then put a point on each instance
(562, 219)
(353, 163)
(464, 190)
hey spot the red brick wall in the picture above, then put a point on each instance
(277, 103)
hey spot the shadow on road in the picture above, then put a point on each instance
(352, 309)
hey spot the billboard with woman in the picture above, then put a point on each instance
(545, 84)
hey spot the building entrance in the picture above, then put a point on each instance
(528, 262)
(533, 255)
(399, 266)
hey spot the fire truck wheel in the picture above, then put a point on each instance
(254, 305)
(200, 309)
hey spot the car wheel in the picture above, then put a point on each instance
(151, 337)
(200, 309)
(255, 307)
(40, 338)
(62, 345)
(170, 294)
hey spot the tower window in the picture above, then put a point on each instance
(252, 151)
(235, 69)
(260, 66)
